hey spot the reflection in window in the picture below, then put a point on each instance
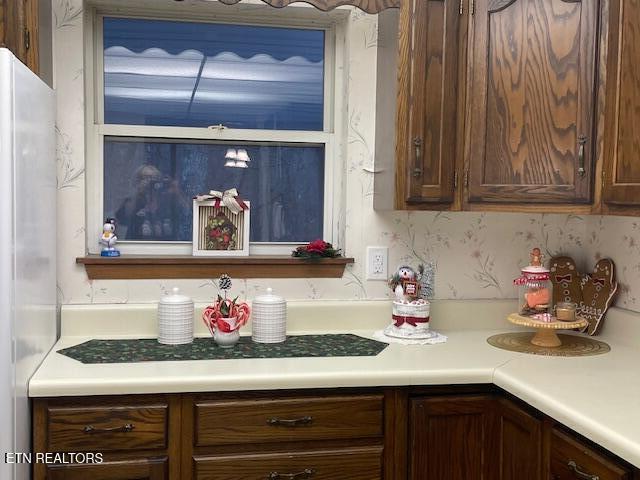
(149, 186)
(191, 74)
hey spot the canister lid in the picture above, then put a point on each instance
(535, 269)
(269, 298)
(175, 297)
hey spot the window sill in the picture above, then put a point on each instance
(138, 267)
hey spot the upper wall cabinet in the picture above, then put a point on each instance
(19, 30)
(622, 137)
(428, 95)
(532, 99)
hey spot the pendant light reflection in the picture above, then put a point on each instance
(237, 158)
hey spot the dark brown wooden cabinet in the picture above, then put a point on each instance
(134, 469)
(519, 442)
(138, 437)
(498, 106)
(393, 433)
(428, 95)
(570, 459)
(357, 463)
(283, 435)
(450, 438)
(622, 135)
(532, 99)
(19, 30)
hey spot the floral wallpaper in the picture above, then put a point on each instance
(477, 254)
(617, 238)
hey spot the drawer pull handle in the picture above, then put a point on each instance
(306, 473)
(294, 422)
(573, 466)
(91, 430)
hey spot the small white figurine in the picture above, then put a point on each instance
(109, 239)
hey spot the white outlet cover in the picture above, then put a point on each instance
(377, 263)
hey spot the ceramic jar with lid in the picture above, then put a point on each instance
(269, 318)
(175, 319)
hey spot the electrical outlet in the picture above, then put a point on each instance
(377, 263)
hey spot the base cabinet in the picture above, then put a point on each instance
(393, 433)
(450, 438)
(519, 437)
(571, 459)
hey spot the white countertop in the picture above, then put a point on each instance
(598, 397)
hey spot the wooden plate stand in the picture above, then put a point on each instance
(546, 335)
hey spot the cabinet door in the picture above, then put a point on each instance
(146, 469)
(622, 141)
(19, 30)
(427, 100)
(450, 438)
(532, 101)
(519, 443)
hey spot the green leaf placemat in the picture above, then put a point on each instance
(149, 350)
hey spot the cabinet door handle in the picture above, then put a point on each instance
(573, 466)
(306, 473)
(293, 422)
(582, 141)
(417, 166)
(91, 430)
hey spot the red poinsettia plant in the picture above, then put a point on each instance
(316, 249)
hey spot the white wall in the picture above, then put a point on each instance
(478, 255)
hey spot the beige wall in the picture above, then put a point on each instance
(617, 238)
(477, 254)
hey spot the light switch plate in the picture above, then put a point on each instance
(377, 263)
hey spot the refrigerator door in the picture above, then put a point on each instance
(30, 131)
(7, 358)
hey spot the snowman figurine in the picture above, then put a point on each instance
(404, 277)
(109, 239)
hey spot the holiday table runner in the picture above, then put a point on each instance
(149, 350)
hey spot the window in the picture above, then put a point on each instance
(184, 107)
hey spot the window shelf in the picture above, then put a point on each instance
(137, 267)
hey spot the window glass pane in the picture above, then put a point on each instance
(200, 74)
(149, 185)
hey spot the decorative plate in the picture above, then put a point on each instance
(395, 332)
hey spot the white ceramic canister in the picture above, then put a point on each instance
(269, 318)
(175, 319)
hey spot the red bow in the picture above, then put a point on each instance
(413, 321)
(598, 281)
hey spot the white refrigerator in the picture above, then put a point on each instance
(28, 322)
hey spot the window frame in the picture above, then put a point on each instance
(97, 130)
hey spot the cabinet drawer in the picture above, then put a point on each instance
(104, 428)
(144, 469)
(572, 460)
(294, 419)
(347, 464)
